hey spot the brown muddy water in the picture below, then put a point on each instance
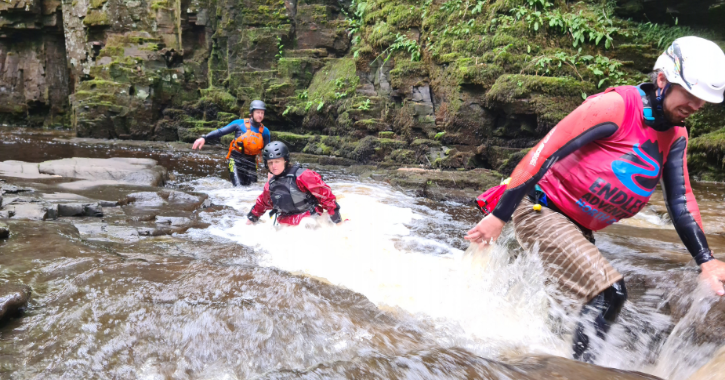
(393, 293)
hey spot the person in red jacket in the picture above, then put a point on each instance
(292, 193)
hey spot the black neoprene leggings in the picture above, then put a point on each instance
(242, 170)
(607, 306)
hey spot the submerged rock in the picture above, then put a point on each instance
(176, 221)
(4, 231)
(31, 211)
(146, 199)
(12, 189)
(13, 299)
(80, 209)
(711, 370)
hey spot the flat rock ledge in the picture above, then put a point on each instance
(91, 171)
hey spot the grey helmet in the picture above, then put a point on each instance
(257, 105)
(275, 149)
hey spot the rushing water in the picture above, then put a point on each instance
(393, 292)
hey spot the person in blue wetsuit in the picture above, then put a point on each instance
(250, 137)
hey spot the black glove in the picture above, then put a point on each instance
(335, 216)
(252, 217)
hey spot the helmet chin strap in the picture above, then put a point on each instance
(661, 122)
(661, 92)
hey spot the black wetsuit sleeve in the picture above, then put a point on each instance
(217, 134)
(335, 216)
(513, 195)
(681, 203)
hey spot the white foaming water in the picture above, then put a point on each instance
(492, 302)
(500, 308)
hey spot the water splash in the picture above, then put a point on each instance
(501, 303)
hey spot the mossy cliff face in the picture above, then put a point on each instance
(453, 84)
(34, 82)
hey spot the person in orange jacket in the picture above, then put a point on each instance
(250, 137)
(292, 193)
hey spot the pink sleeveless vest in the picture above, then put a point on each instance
(612, 178)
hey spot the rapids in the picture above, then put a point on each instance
(394, 292)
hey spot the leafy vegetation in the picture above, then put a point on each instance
(280, 49)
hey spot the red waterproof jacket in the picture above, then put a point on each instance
(307, 181)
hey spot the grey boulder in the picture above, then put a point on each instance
(13, 299)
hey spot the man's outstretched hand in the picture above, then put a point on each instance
(713, 272)
(199, 143)
(486, 231)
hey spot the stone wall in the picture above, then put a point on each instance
(34, 80)
(446, 84)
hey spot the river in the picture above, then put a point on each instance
(394, 292)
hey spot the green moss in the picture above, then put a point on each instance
(101, 85)
(406, 71)
(281, 89)
(710, 118)
(403, 156)
(386, 134)
(344, 120)
(336, 78)
(386, 143)
(112, 51)
(509, 87)
(96, 18)
(150, 47)
(97, 3)
(265, 13)
(293, 141)
(313, 13)
(380, 35)
(405, 16)
(364, 149)
(223, 99)
(141, 40)
(226, 117)
(706, 155)
(160, 4)
(710, 142)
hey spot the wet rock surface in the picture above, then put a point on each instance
(135, 171)
(80, 209)
(13, 300)
(460, 186)
(95, 171)
(4, 231)
(456, 363)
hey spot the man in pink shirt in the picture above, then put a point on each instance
(602, 163)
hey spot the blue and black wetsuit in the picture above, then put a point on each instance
(242, 167)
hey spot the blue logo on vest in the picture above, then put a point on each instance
(639, 171)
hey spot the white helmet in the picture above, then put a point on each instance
(696, 64)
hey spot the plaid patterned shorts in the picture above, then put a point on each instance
(571, 259)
